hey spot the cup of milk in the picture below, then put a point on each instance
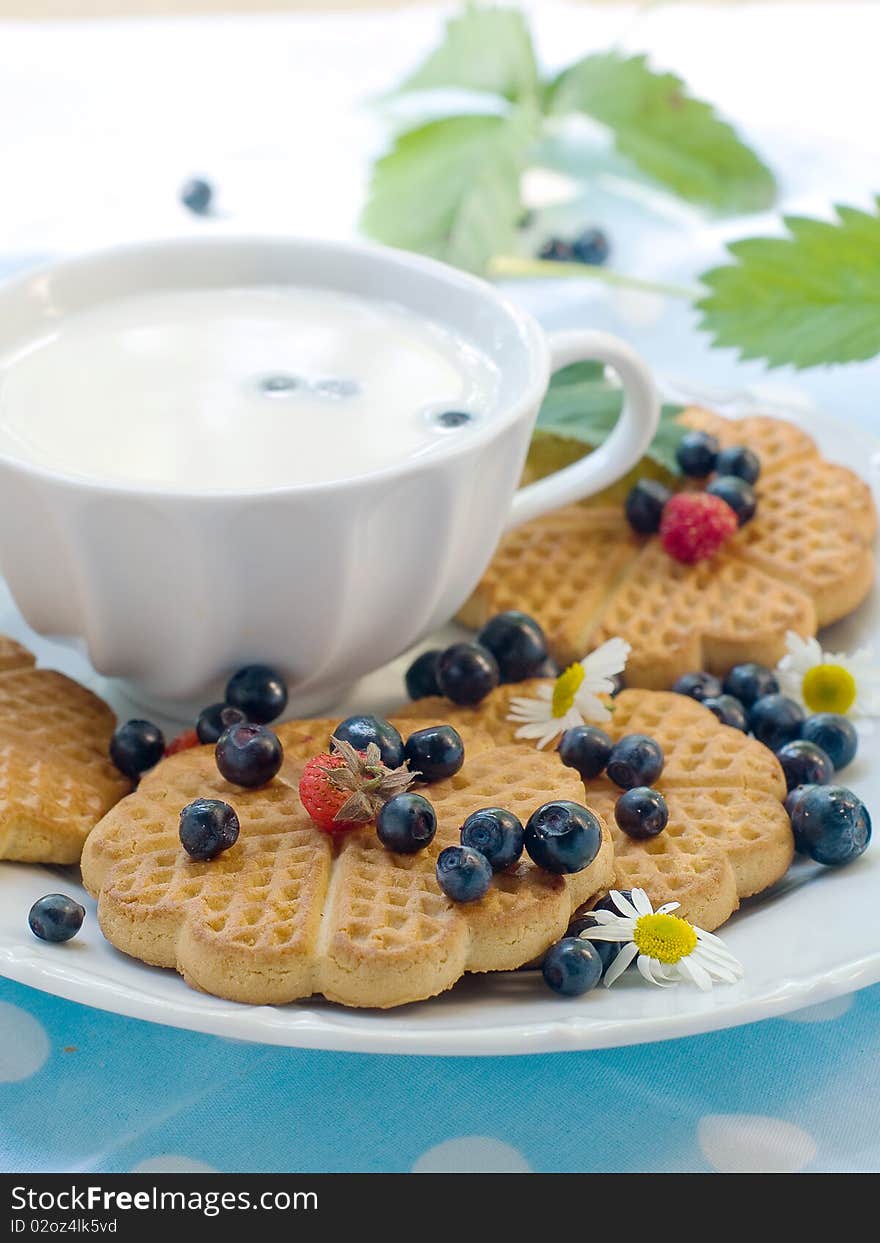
(303, 453)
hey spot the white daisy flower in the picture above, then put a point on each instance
(829, 681)
(574, 698)
(667, 949)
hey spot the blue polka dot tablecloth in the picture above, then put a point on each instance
(792, 1094)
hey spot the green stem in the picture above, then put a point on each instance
(512, 267)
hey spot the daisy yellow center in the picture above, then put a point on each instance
(664, 937)
(565, 688)
(829, 688)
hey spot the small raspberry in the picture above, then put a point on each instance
(183, 742)
(695, 525)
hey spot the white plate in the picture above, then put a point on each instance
(816, 935)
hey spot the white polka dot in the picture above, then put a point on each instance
(171, 1163)
(24, 1045)
(824, 1012)
(472, 1154)
(753, 1144)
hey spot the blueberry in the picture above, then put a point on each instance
(137, 746)
(585, 748)
(518, 644)
(452, 418)
(776, 720)
(556, 250)
(635, 761)
(496, 833)
(467, 672)
(697, 454)
(360, 731)
(197, 194)
(207, 828)
(215, 719)
(644, 505)
(434, 752)
(831, 825)
(572, 967)
(259, 692)
(698, 686)
(563, 837)
(463, 874)
(835, 735)
(248, 755)
(740, 461)
(641, 812)
(591, 246)
(791, 801)
(406, 823)
(56, 917)
(421, 676)
(738, 494)
(607, 950)
(729, 711)
(804, 764)
(749, 682)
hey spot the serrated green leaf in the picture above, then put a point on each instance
(451, 189)
(583, 404)
(678, 140)
(484, 49)
(804, 300)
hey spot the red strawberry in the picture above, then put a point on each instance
(183, 742)
(695, 525)
(347, 788)
(320, 799)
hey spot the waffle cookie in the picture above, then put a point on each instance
(56, 781)
(803, 562)
(728, 835)
(288, 911)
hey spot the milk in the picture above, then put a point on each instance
(240, 389)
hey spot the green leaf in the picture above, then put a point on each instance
(484, 49)
(451, 189)
(678, 140)
(583, 404)
(804, 300)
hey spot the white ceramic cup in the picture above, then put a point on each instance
(172, 590)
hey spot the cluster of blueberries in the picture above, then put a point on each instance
(248, 754)
(829, 822)
(511, 647)
(591, 247)
(632, 763)
(735, 470)
(560, 836)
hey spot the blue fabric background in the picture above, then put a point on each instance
(113, 1093)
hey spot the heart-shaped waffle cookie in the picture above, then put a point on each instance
(288, 911)
(55, 778)
(728, 835)
(804, 561)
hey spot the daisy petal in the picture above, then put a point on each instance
(642, 902)
(620, 964)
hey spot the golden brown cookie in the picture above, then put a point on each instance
(804, 561)
(288, 911)
(728, 835)
(56, 780)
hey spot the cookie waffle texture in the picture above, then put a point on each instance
(288, 911)
(804, 561)
(728, 835)
(56, 781)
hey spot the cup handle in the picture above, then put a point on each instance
(627, 443)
